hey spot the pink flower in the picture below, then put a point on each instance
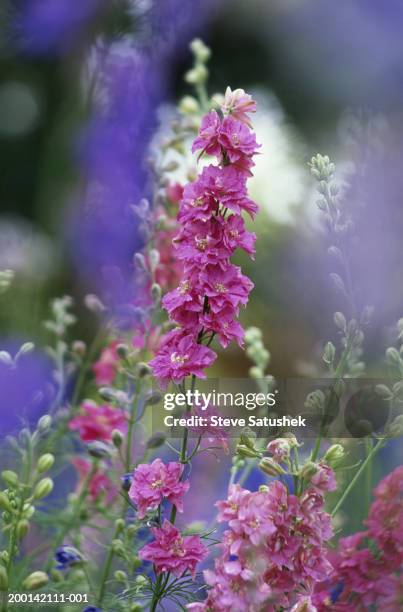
(279, 448)
(207, 139)
(174, 192)
(172, 552)
(105, 368)
(156, 481)
(180, 356)
(238, 104)
(324, 479)
(98, 422)
(99, 482)
(237, 140)
(224, 325)
(226, 288)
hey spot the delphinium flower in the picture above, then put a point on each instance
(98, 422)
(172, 552)
(67, 556)
(211, 228)
(155, 481)
(273, 551)
(105, 367)
(99, 483)
(368, 564)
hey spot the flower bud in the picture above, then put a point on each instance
(117, 547)
(156, 440)
(4, 556)
(156, 293)
(248, 438)
(244, 451)
(22, 529)
(188, 105)
(270, 467)
(44, 423)
(196, 75)
(136, 607)
(256, 372)
(143, 369)
(154, 259)
(140, 580)
(201, 52)
(140, 262)
(340, 321)
(79, 347)
(122, 350)
(99, 449)
(56, 576)
(4, 502)
(3, 579)
(126, 480)
(395, 429)
(119, 525)
(10, 478)
(120, 576)
(36, 580)
(152, 397)
(6, 358)
(45, 462)
(117, 438)
(43, 488)
(392, 355)
(334, 455)
(93, 303)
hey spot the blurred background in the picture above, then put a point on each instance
(328, 78)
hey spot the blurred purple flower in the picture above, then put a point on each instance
(54, 26)
(26, 388)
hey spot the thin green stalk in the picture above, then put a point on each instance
(351, 485)
(368, 473)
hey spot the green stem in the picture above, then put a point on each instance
(368, 473)
(351, 485)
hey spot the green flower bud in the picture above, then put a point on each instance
(117, 547)
(119, 525)
(329, 353)
(136, 607)
(5, 502)
(246, 452)
(99, 449)
(188, 105)
(44, 423)
(122, 350)
(270, 467)
(36, 580)
(117, 438)
(256, 372)
(395, 429)
(140, 580)
(3, 579)
(143, 369)
(156, 293)
(10, 477)
(392, 355)
(334, 455)
(56, 576)
(152, 398)
(154, 259)
(45, 462)
(131, 530)
(120, 576)
(340, 321)
(248, 438)
(43, 488)
(196, 75)
(22, 529)
(200, 50)
(157, 440)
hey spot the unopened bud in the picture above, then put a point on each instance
(188, 105)
(79, 347)
(45, 462)
(4, 502)
(22, 529)
(152, 398)
(94, 304)
(140, 580)
(43, 488)
(270, 467)
(143, 369)
(244, 451)
(157, 440)
(156, 293)
(44, 423)
(196, 75)
(154, 259)
(120, 576)
(334, 455)
(117, 438)
(140, 262)
(99, 449)
(36, 580)
(119, 525)
(395, 429)
(10, 478)
(201, 52)
(117, 547)
(122, 351)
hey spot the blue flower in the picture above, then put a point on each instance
(67, 556)
(92, 609)
(336, 592)
(126, 481)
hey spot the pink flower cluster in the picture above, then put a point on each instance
(212, 290)
(155, 481)
(99, 483)
(98, 422)
(273, 552)
(172, 552)
(368, 564)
